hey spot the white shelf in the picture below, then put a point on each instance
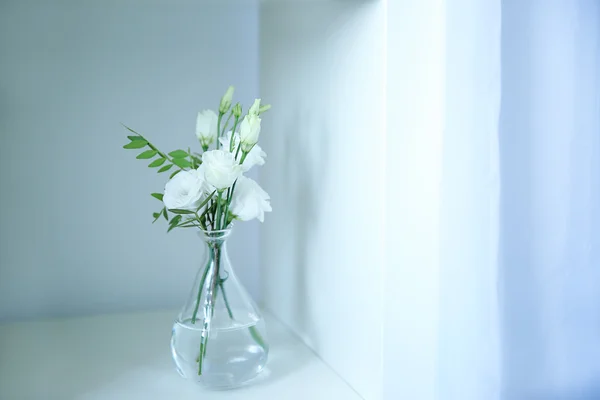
(127, 356)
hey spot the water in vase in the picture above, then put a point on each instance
(234, 354)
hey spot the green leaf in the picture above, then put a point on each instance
(182, 162)
(134, 138)
(146, 154)
(178, 211)
(156, 216)
(158, 196)
(165, 168)
(174, 173)
(206, 200)
(197, 160)
(164, 213)
(136, 144)
(174, 222)
(178, 154)
(157, 163)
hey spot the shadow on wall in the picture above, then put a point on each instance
(521, 327)
(304, 166)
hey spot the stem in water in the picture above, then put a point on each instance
(210, 303)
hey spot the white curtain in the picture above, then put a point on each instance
(512, 246)
(549, 259)
(520, 206)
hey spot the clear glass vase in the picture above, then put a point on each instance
(219, 338)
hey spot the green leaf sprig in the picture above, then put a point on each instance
(179, 158)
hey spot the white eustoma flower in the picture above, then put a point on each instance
(220, 168)
(249, 200)
(256, 156)
(249, 131)
(206, 127)
(185, 191)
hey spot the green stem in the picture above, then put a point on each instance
(231, 193)
(226, 211)
(209, 216)
(257, 337)
(224, 223)
(202, 281)
(225, 299)
(192, 161)
(201, 357)
(218, 128)
(210, 305)
(231, 141)
(253, 331)
(237, 152)
(228, 200)
(218, 216)
(221, 133)
(214, 213)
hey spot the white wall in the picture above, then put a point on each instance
(321, 68)
(414, 120)
(75, 211)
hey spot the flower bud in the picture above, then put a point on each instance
(249, 132)
(254, 110)
(237, 110)
(226, 100)
(264, 108)
(206, 127)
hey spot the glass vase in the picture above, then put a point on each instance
(219, 338)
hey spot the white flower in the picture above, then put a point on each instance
(249, 200)
(185, 191)
(226, 100)
(220, 168)
(256, 156)
(206, 127)
(249, 131)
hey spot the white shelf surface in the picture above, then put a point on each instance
(127, 356)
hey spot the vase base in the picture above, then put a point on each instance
(225, 383)
(234, 357)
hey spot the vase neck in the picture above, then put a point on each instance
(215, 239)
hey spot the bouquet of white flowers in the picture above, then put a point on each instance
(208, 190)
